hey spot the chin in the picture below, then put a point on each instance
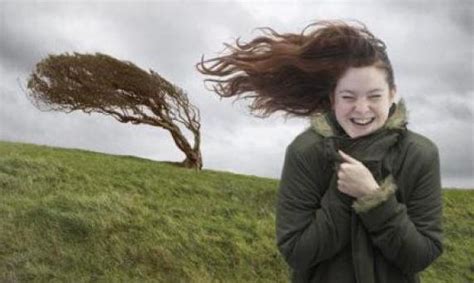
(361, 134)
(355, 132)
(353, 136)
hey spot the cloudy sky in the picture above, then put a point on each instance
(430, 44)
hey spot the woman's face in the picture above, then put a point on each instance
(361, 100)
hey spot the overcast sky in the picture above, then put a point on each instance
(430, 44)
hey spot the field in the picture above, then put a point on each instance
(78, 216)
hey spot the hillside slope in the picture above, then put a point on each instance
(75, 216)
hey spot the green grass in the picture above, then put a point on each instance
(457, 262)
(78, 216)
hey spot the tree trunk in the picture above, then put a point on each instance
(193, 154)
(193, 160)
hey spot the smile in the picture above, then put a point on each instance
(362, 122)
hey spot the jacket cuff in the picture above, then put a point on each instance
(366, 203)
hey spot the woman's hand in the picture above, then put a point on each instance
(354, 179)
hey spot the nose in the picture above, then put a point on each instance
(361, 106)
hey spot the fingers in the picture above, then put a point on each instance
(347, 157)
(342, 187)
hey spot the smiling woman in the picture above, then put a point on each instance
(359, 199)
(361, 100)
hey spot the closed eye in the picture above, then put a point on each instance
(375, 96)
(347, 97)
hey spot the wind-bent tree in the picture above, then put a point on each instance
(102, 84)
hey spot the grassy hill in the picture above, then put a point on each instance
(77, 216)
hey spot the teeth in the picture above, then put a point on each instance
(362, 121)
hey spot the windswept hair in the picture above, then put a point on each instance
(295, 73)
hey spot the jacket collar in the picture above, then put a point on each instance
(325, 123)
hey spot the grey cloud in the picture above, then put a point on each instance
(168, 37)
(461, 13)
(431, 41)
(428, 42)
(460, 111)
(171, 39)
(25, 35)
(447, 121)
(16, 52)
(173, 35)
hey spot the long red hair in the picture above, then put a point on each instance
(294, 73)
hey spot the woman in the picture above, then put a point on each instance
(359, 198)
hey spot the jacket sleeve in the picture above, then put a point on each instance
(409, 235)
(310, 227)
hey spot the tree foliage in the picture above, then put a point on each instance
(102, 84)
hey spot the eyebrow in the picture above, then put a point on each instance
(353, 92)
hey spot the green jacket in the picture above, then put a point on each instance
(389, 236)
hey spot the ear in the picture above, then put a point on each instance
(393, 94)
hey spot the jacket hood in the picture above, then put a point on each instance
(326, 125)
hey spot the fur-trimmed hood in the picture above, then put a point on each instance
(385, 237)
(325, 124)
